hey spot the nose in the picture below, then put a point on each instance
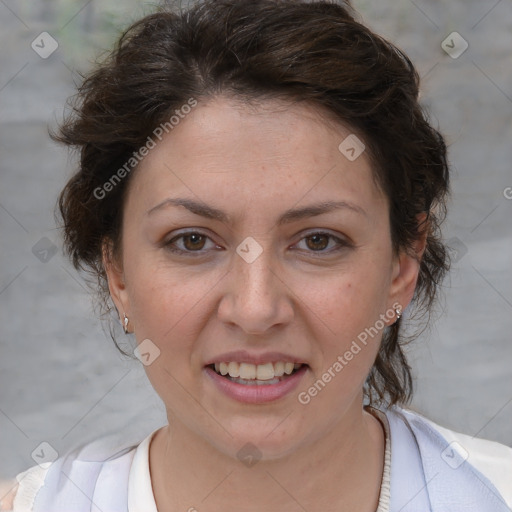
(256, 298)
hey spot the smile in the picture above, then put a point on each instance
(256, 383)
(256, 374)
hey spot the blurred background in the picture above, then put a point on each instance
(61, 379)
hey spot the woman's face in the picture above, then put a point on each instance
(279, 253)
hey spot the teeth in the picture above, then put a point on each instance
(223, 369)
(279, 369)
(234, 369)
(288, 368)
(260, 372)
(265, 371)
(247, 371)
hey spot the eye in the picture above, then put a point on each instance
(319, 241)
(196, 242)
(191, 242)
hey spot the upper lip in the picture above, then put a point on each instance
(242, 356)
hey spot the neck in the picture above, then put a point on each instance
(340, 471)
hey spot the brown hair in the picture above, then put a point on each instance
(315, 52)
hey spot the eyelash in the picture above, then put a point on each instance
(342, 244)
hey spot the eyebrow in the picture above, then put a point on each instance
(287, 217)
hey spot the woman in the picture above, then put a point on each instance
(259, 195)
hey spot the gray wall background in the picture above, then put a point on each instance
(62, 380)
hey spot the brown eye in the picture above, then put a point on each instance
(318, 241)
(196, 241)
(323, 243)
(189, 243)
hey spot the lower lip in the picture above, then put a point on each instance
(256, 394)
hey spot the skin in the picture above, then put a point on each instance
(254, 163)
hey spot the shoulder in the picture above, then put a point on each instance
(493, 460)
(481, 453)
(19, 493)
(8, 490)
(51, 484)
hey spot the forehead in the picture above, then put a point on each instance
(255, 155)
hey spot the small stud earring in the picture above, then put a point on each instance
(125, 324)
(398, 312)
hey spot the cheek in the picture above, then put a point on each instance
(348, 343)
(349, 301)
(166, 303)
(348, 306)
(168, 309)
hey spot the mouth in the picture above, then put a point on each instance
(249, 374)
(256, 383)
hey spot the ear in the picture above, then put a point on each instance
(406, 266)
(115, 277)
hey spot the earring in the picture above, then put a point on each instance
(398, 313)
(125, 324)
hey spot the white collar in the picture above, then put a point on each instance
(140, 490)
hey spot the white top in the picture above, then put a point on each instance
(385, 486)
(405, 486)
(140, 490)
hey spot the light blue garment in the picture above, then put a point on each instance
(426, 475)
(74, 485)
(452, 483)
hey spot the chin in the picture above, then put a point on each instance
(261, 439)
